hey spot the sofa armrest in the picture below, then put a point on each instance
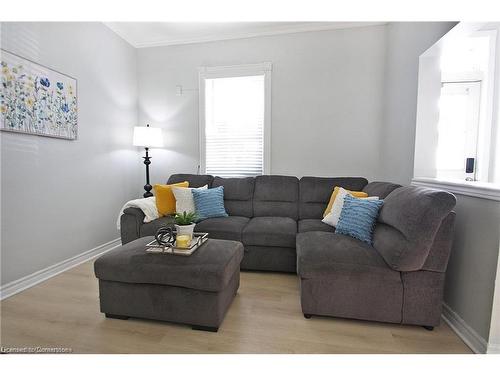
(130, 224)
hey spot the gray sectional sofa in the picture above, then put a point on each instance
(399, 279)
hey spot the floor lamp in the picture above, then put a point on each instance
(147, 137)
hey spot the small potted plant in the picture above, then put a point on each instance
(184, 223)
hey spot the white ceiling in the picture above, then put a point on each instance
(151, 34)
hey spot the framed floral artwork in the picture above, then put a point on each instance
(37, 100)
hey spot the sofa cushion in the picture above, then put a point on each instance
(320, 254)
(408, 223)
(165, 199)
(315, 192)
(310, 225)
(380, 189)
(269, 258)
(224, 228)
(238, 194)
(209, 203)
(270, 231)
(195, 180)
(358, 218)
(343, 277)
(276, 196)
(210, 268)
(332, 218)
(184, 201)
(339, 192)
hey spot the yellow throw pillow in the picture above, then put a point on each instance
(165, 199)
(356, 194)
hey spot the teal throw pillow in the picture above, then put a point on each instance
(358, 218)
(209, 203)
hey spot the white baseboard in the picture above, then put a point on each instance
(26, 282)
(493, 349)
(468, 335)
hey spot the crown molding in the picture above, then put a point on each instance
(319, 26)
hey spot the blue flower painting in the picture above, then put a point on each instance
(45, 82)
(36, 100)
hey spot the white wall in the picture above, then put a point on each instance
(470, 277)
(405, 42)
(427, 118)
(327, 99)
(59, 197)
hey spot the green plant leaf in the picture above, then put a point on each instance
(185, 218)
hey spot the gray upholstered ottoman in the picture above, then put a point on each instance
(195, 290)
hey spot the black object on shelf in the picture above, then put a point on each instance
(469, 165)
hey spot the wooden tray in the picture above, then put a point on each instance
(199, 238)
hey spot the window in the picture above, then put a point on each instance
(457, 128)
(235, 120)
(457, 139)
(465, 122)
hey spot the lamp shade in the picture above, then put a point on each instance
(147, 137)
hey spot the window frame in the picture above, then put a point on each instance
(474, 84)
(485, 149)
(424, 171)
(211, 72)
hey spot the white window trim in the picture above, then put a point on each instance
(207, 72)
(486, 123)
(484, 190)
(472, 130)
(484, 163)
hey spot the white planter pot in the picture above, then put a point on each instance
(185, 229)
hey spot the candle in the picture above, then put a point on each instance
(183, 240)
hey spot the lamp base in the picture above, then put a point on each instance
(147, 187)
(148, 193)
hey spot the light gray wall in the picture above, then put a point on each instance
(327, 99)
(472, 267)
(494, 338)
(470, 278)
(59, 197)
(405, 42)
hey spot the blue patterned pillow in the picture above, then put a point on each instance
(209, 203)
(358, 218)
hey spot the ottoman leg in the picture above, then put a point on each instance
(113, 316)
(205, 328)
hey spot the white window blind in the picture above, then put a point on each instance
(234, 126)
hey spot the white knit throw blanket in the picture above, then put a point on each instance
(147, 205)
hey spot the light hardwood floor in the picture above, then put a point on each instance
(265, 317)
